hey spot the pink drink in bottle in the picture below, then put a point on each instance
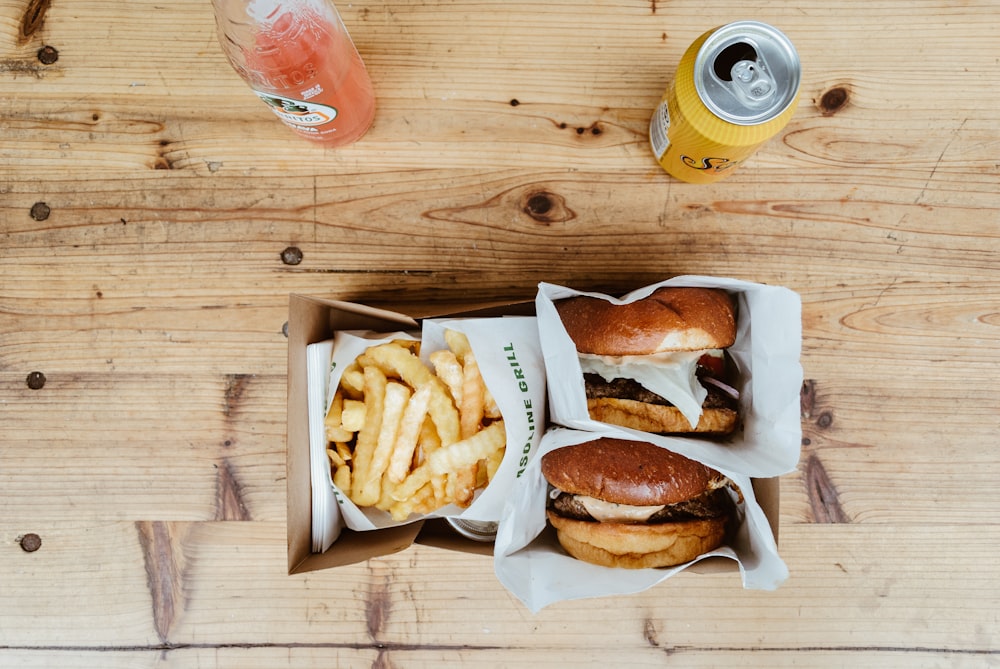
(298, 58)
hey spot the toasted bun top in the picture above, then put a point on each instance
(671, 319)
(627, 472)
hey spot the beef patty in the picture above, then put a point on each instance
(711, 504)
(630, 389)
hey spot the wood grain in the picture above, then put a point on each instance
(148, 208)
(888, 580)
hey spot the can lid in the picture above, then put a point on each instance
(747, 72)
(476, 530)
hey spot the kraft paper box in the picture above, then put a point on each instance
(312, 323)
(313, 320)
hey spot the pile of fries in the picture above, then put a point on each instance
(407, 439)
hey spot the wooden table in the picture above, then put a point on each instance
(147, 201)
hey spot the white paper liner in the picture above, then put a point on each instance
(533, 566)
(766, 356)
(509, 357)
(326, 520)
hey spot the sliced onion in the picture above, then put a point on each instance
(729, 390)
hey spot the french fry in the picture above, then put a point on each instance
(416, 480)
(463, 484)
(385, 500)
(493, 463)
(409, 432)
(422, 501)
(352, 381)
(407, 437)
(332, 422)
(338, 433)
(343, 449)
(342, 478)
(370, 482)
(439, 484)
(458, 343)
(367, 439)
(449, 370)
(335, 458)
(335, 430)
(490, 408)
(428, 442)
(444, 414)
(463, 453)
(470, 410)
(451, 458)
(352, 416)
(398, 361)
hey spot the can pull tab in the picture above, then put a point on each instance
(743, 71)
(752, 83)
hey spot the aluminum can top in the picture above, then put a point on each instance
(476, 530)
(747, 73)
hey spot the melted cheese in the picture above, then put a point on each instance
(670, 375)
(619, 513)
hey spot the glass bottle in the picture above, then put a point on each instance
(298, 58)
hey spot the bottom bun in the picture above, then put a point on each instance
(637, 546)
(658, 417)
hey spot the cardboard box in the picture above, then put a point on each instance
(314, 319)
(311, 320)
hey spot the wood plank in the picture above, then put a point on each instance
(510, 147)
(109, 443)
(935, 594)
(423, 66)
(151, 446)
(149, 244)
(264, 657)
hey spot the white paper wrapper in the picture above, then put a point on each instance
(533, 566)
(509, 357)
(326, 520)
(766, 356)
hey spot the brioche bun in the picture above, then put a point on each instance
(637, 474)
(638, 546)
(660, 418)
(670, 319)
(622, 471)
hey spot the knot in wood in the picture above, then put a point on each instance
(33, 17)
(546, 207)
(539, 205)
(834, 100)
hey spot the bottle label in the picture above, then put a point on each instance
(298, 113)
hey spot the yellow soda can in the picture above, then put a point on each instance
(736, 87)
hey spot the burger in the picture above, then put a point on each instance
(632, 504)
(657, 364)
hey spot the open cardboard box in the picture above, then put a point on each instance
(311, 320)
(314, 319)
